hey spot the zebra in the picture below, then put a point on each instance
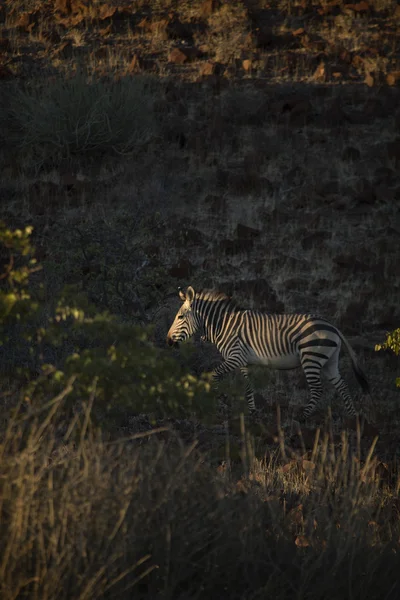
(278, 341)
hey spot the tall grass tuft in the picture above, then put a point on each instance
(81, 117)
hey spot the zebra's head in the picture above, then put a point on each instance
(185, 323)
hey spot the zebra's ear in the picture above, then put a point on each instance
(182, 294)
(190, 294)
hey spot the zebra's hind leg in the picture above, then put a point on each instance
(344, 392)
(315, 386)
(331, 370)
(249, 391)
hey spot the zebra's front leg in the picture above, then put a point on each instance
(227, 366)
(249, 391)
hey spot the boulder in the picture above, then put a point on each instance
(246, 232)
(182, 55)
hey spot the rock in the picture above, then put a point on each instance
(253, 161)
(344, 261)
(315, 240)
(360, 343)
(234, 247)
(180, 56)
(313, 43)
(362, 210)
(198, 145)
(207, 69)
(208, 8)
(365, 193)
(182, 270)
(5, 73)
(359, 7)
(384, 194)
(338, 202)
(216, 204)
(353, 316)
(327, 188)
(320, 72)
(221, 176)
(152, 250)
(393, 78)
(209, 265)
(176, 30)
(22, 21)
(264, 38)
(351, 154)
(5, 45)
(358, 62)
(106, 12)
(389, 319)
(393, 150)
(159, 29)
(247, 64)
(247, 233)
(338, 71)
(369, 79)
(248, 183)
(70, 7)
(62, 6)
(188, 236)
(296, 109)
(384, 175)
(296, 175)
(267, 186)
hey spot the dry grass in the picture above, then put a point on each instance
(83, 517)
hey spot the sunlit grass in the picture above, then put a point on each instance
(83, 517)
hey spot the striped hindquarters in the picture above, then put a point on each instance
(284, 341)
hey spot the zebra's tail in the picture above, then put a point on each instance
(359, 373)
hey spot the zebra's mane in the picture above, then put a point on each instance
(215, 296)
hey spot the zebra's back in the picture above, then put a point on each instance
(281, 341)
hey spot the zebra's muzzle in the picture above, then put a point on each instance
(172, 343)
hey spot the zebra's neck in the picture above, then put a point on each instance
(212, 316)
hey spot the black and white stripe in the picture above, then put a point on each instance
(278, 341)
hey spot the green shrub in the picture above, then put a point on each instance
(131, 375)
(392, 343)
(116, 359)
(18, 309)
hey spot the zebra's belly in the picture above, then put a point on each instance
(288, 361)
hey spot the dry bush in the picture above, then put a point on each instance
(228, 31)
